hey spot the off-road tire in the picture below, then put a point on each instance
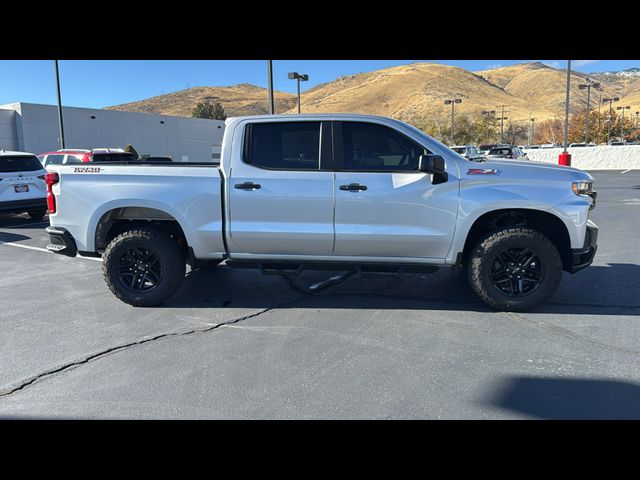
(37, 214)
(169, 255)
(484, 254)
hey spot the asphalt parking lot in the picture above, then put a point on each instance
(236, 344)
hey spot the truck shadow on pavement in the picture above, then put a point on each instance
(12, 237)
(22, 221)
(557, 398)
(599, 290)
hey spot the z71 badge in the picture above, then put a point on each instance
(86, 170)
(483, 171)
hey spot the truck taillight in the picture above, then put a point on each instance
(51, 179)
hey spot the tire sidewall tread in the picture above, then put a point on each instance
(483, 255)
(170, 255)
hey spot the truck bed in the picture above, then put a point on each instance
(191, 193)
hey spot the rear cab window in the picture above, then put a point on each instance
(113, 157)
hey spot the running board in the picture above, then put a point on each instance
(362, 270)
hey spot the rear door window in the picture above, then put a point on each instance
(283, 145)
(19, 164)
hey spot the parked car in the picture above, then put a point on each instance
(470, 152)
(77, 156)
(485, 147)
(379, 196)
(618, 143)
(511, 152)
(22, 184)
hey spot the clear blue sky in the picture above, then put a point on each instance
(101, 83)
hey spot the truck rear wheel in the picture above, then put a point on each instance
(514, 269)
(143, 267)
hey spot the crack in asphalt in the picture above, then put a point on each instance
(68, 366)
(5, 392)
(307, 292)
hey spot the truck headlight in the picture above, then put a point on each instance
(582, 188)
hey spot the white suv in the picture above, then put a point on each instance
(22, 185)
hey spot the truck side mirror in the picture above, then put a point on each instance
(433, 164)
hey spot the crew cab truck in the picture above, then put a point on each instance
(337, 192)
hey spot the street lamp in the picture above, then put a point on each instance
(452, 102)
(532, 138)
(300, 77)
(60, 122)
(610, 100)
(588, 85)
(272, 105)
(502, 119)
(626, 107)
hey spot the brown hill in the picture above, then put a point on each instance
(415, 90)
(237, 100)
(545, 87)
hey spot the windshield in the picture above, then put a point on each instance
(500, 151)
(22, 163)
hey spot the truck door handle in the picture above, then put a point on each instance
(353, 187)
(247, 186)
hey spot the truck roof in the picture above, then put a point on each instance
(313, 116)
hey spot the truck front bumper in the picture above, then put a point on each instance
(62, 241)
(581, 258)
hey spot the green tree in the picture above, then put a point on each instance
(208, 110)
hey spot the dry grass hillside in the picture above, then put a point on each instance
(237, 100)
(415, 90)
(541, 85)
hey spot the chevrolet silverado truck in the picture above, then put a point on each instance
(337, 192)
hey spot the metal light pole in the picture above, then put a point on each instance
(588, 85)
(502, 119)
(272, 108)
(566, 107)
(599, 122)
(452, 102)
(610, 100)
(626, 107)
(60, 123)
(300, 77)
(532, 138)
(489, 113)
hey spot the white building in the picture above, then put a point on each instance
(33, 128)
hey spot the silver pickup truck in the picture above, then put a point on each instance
(338, 192)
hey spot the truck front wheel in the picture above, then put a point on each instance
(514, 269)
(143, 267)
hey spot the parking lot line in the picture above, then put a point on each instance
(628, 170)
(40, 249)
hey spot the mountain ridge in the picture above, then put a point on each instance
(415, 90)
